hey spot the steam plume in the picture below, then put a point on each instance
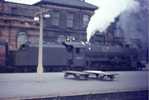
(106, 13)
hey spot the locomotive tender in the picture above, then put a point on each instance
(72, 55)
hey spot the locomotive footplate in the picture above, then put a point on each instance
(76, 74)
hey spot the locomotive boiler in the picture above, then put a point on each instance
(108, 57)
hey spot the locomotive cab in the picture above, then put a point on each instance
(77, 59)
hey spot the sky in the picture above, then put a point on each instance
(24, 1)
(34, 1)
(104, 16)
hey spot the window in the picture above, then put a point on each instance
(77, 50)
(85, 20)
(21, 39)
(1, 6)
(55, 18)
(14, 10)
(1, 34)
(70, 20)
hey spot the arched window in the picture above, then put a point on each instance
(22, 39)
(55, 18)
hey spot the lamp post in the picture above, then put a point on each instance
(40, 50)
(41, 15)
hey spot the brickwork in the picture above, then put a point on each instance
(15, 18)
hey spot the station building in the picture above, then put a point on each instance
(68, 20)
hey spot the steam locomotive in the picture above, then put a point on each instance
(69, 55)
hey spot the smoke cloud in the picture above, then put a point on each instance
(106, 13)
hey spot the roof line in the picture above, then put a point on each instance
(45, 2)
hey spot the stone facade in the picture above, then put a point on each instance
(17, 25)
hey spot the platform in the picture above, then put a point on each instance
(30, 85)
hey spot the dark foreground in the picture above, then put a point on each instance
(135, 95)
(132, 85)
